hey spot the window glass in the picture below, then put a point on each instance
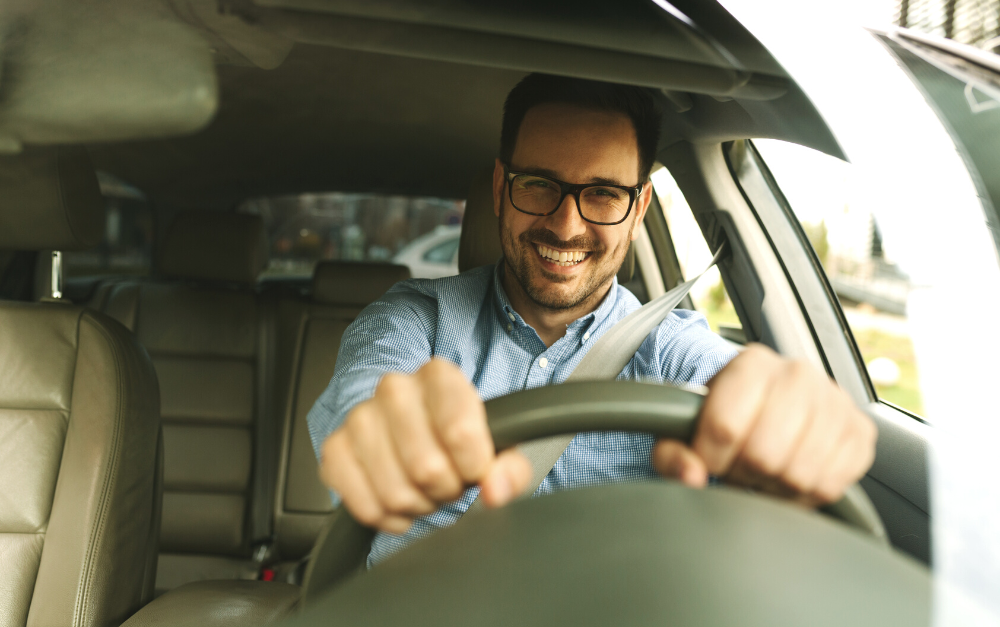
(835, 210)
(444, 252)
(307, 228)
(128, 235)
(708, 294)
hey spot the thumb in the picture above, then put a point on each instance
(675, 461)
(506, 479)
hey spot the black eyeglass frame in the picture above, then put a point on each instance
(566, 189)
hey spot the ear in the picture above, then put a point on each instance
(641, 205)
(498, 185)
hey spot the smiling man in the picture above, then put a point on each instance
(401, 430)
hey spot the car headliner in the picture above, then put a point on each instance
(380, 96)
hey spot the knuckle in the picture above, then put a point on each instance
(798, 370)
(430, 471)
(360, 422)
(399, 501)
(721, 432)
(460, 434)
(332, 445)
(391, 385)
(436, 367)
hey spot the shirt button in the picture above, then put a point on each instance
(511, 316)
(543, 362)
(510, 328)
(586, 336)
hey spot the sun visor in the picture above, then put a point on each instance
(98, 71)
(50, 199)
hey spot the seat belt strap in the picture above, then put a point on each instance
(605, 360)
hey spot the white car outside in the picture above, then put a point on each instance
(432, 255)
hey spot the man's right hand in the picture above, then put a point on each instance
(416, 444)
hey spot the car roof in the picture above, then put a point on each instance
(406, 98)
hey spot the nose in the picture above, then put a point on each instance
(566, 223)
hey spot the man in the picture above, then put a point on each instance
(401, 430)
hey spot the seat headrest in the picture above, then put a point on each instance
(51, 200)
(215, 246)
(479, 244)
(480, 240)
(354, 283)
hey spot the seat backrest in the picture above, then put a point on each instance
(79, 423)
(207, 332)
(339, 292)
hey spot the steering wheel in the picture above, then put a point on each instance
(664, 411)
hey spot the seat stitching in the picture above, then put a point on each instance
(109, 478)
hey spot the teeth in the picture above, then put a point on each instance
(561, 258)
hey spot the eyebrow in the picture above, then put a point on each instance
(597, 180)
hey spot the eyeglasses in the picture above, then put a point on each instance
(598, 204)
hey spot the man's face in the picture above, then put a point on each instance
(574, 145)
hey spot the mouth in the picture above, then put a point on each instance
(563, 259)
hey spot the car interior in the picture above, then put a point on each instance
(157, 460)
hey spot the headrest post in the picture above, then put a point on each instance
(57, 275)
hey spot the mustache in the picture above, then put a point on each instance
(548, 238)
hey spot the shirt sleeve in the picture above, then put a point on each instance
(390, 335)
(687, 349)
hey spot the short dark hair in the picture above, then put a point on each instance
(637, 103)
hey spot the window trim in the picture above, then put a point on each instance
(804, 271)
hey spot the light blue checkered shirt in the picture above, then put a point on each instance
(468, 320)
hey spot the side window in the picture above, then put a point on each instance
(709, 295)
(856, 251)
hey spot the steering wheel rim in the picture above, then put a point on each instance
(662, 410)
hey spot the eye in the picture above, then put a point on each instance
(537, 183)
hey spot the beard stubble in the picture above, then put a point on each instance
(532, 278)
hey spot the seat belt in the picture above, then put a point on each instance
(605, 360)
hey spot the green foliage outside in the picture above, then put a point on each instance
(906, 393)
(717, 307)
(817, 234)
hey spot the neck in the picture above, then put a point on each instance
(550, 324)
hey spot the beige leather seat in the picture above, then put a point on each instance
(210, 338)
(339, 292)
(79, 423)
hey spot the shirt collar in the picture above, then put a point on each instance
(508, 315)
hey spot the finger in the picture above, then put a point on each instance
(732, 406)
(506, 479)
(373, 448)
(459, 419)
(674, 460)
(342, 472)
(786, 415)
(854, 456)
(426, 464)
(818, 446)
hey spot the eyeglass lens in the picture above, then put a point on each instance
(534, 194)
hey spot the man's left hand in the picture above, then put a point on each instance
(774, 425)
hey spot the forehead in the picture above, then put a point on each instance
(577, 141)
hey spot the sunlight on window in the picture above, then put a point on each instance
(838, 215)
(709, 294)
